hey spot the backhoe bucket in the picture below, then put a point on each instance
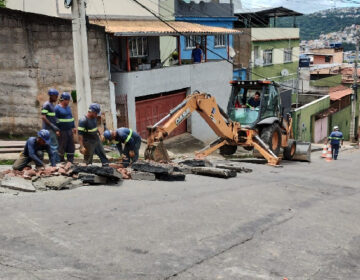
(157, 152)
(303, 151)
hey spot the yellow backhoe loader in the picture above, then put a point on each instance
(265, 128)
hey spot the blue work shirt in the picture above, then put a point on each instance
(48, 109)
(335, 137)
(88, 127)
(253, 103)
(64, 117)
(196, 55)
(123, 136)
(31, 147)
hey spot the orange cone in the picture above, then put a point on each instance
(329, 154)
(324, 151)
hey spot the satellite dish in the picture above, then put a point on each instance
(284, 72)
(68, 3)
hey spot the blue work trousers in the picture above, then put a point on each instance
(335, 150)
(54, 145)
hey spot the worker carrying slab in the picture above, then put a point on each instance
(89, 139)
(335, 138)
(49, 121)
(34, 151)
(131, 141)
(65, 122)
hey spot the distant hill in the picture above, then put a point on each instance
(323, 22)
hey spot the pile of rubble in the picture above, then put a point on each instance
(68, 176)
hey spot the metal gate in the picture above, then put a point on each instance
(321, 130)
(150, 111)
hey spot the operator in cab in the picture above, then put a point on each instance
(254, 101)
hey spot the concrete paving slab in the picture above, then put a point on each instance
(17, 183)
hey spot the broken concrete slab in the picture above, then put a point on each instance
(152, 167)
(53, 182)
(92, 179)
(17, 183)
(214, 172)
(143, 176)
(173, 176)
(251, 160)
(183, 169)
(107, 172)
(195, 162)
(234, 167)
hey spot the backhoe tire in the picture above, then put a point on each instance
(289, 151)
(228, 150)
(271, 135)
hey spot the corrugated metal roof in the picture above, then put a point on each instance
(158, 28)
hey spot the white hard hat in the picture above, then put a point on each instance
(336, 127)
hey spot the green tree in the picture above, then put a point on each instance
(2, 3)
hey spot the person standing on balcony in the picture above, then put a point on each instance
(197, 54)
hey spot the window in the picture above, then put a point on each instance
(220, 41)
(327, 59)
(192, 40)
(268, 57)
(256, 52)
(138, 47)
(288, 55)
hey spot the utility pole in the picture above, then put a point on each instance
(81, 59)
(354, 95)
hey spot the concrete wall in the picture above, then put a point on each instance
(242, 46)
(303, 118)
(111, 8)
(343, 120)
(266, 34)
(211, 77)
(36, 53)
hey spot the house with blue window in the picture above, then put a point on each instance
(210, 13)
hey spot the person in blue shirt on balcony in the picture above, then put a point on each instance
(65, 122)
(197, 54)
(131, 141)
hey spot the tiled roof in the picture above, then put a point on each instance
(339, 93)
(158, 28)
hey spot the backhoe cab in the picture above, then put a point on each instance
(270, 119)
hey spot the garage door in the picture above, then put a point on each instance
(150, 111)
(321, 130)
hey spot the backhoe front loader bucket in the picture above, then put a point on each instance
(157, 152)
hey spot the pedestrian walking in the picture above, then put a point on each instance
(89, 139)
(49, 121)
(65, 121)
(34, 151)
(131, 141)
(335, 138)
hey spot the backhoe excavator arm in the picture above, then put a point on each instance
(206, 106)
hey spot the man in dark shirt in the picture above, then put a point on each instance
(67, 128)
(89, 139)
(254, 101)
(49, 121)
(197, 54)
(33, 151)
(130, 139)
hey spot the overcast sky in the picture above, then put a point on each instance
(304, 6)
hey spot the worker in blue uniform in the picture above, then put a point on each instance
(254, 101)
(89, 139)
(131, 141)
(335, 138)
(34, 151)
(65, 121)
(49, 121)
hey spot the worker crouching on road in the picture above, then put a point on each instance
(335, 137)
(89, 136)
(33, 151)
(131, 141)
(49, 121)
(65, 121)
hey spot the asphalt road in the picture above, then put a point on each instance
(300, 222)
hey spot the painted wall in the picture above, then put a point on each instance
(215, 53)
(110, 8)
(211, 77)
(267, 34)
(342, 119)
(303, 118)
